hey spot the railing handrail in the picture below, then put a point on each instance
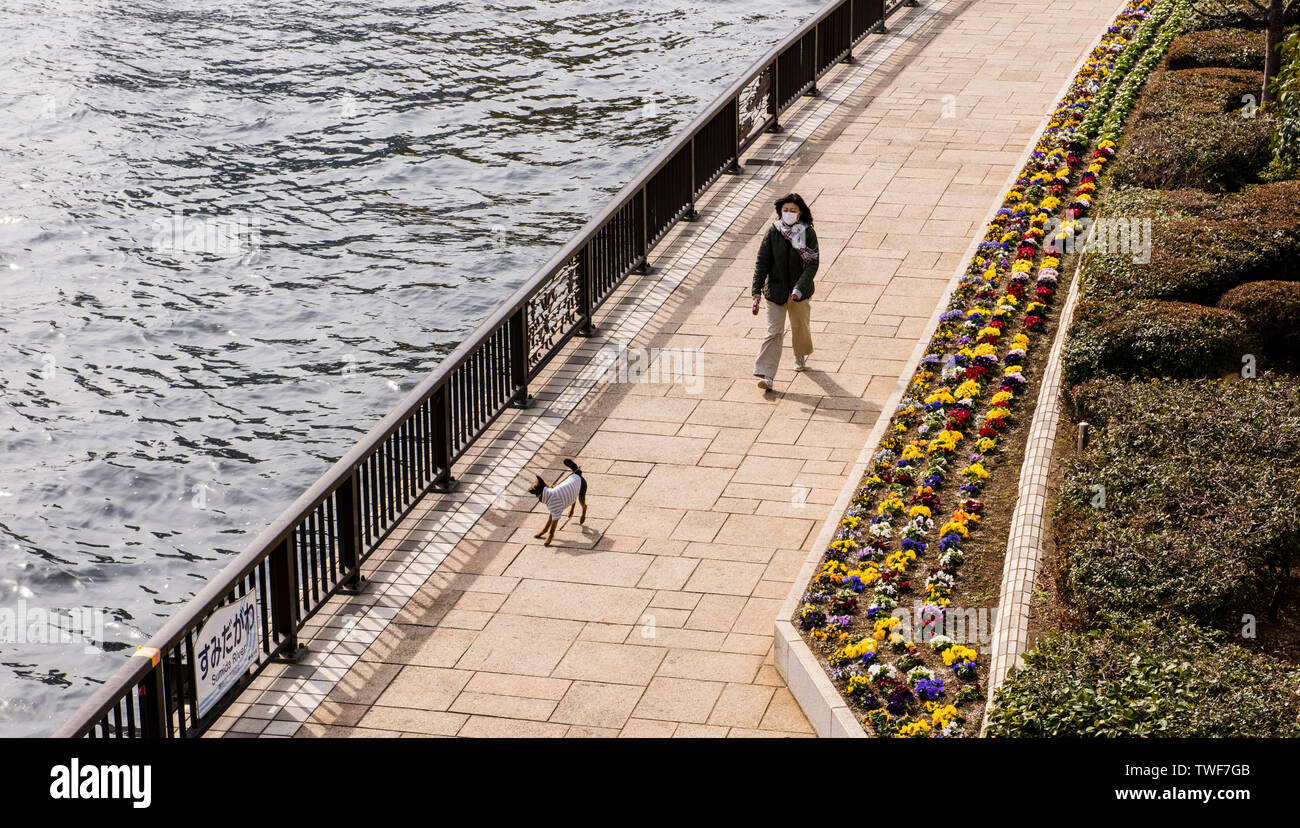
(215, 591)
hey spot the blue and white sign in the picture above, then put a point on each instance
(225, 649)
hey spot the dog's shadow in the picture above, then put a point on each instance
(589, 534)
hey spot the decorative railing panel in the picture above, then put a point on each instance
(553, 311)
(753, 105)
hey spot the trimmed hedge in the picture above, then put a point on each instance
(1147, 338)
(1231, 14)
(1230, 48)
(1146, 679)
(1179, 94)
(1272, 308)
(1201, 484)
(1188, 130)
(1201, 245)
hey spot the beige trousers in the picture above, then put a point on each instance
(769, 355)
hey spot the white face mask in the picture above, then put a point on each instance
(789, 217)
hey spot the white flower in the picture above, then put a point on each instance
(878, 672)
(917, 674)
(940, 578)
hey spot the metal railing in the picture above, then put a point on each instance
(316, 547)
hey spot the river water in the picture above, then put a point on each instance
(234, 234)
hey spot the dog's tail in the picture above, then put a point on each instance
(582, 493)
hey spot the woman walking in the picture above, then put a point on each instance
(787, 263)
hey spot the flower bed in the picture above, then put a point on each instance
(942, 443)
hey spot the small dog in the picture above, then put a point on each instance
(573, 490)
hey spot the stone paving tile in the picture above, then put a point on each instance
(424, 688)
(491, 727)
(716, 612)
(508, 684)
(741, 705)
(710, 666)
(654, 619)
(678, 699)
(598, 660)
(596, 704)
(648, 729)
(410, 720)
(783, 714)
(510, 707)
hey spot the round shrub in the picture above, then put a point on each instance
(1230, 48)
(1273, 308)
(1182, 94)
(1217, 153)
(1188, 130)
(1200, 245)
(1218, 14)
(1150, 338)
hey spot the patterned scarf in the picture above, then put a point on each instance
(795, 235)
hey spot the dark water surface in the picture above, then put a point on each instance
(232, 235)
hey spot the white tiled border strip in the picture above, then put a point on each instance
(825, 708)
(352, 623)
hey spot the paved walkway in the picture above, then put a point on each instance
(655, 618)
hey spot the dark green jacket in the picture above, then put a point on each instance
(781, 269)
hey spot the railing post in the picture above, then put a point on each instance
(285, 611)
(153, 704)
(442, 438)
(776, 96)
(691, 215)
(817, 40)
(519, 356)
(584, 290)
(849, 57)
(645, 232)
(735, 168)
(883, 28)
(349, 512)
